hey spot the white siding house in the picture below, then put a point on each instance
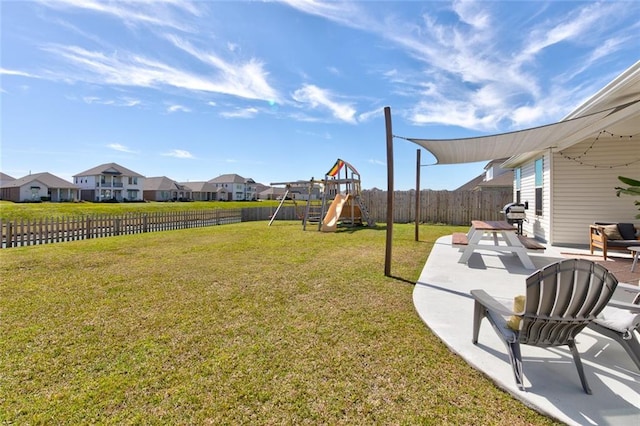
(579, 180)
(237, 187)
(110, 181)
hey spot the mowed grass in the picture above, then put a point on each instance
(37, 211)
(234, 324)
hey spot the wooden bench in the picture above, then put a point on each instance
(459, 239)
(530, 243)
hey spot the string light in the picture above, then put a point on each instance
(578, 158)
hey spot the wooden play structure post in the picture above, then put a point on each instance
(328, 216)
(418, 195)
(389, 242)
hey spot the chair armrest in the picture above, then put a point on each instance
(632, 307)
(596, 230)
(626, 293)
(491, 304)
(626, 297)
(597, 235)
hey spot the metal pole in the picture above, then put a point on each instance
(389, 241)
(418, 194)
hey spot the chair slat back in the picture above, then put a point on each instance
(562, 298)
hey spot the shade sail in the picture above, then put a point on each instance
(557, 135)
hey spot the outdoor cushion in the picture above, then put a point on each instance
(518, 306)
(627, 231)
(612, 232)
(618, 319)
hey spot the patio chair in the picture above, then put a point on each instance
(561, 300)
(620, 320)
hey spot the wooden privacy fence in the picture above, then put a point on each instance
(449, 207)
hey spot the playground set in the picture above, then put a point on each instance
(341, 202)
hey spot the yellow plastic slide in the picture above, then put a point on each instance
(330, 222)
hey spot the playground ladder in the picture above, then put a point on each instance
(365, 212)
(312, 214)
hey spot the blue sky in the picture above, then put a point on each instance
(277, 91)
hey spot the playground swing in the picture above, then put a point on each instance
(337, 206)
(301, 212)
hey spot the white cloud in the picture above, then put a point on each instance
(470, 13)
(246, 80)
(316, 97)
(240, 113)
(177, 108)
(4, 71)
(526, 116)
(122, 102)
(178, 153)
(121, 148)
(454, 113)
(576, 26)
(477, 79)
(369, 115)
(161, 13)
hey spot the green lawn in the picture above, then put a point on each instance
(233, 324)
(31, 211)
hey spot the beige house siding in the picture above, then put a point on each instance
(583, 194)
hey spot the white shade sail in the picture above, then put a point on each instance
(558, 136)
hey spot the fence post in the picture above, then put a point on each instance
(9, 234)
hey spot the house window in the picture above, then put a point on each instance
(133, 180)
(539, 180)
(518, 177)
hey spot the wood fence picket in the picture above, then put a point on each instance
(446, 207)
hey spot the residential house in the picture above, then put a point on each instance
(300, 190)
(272, 193)
(38, 187)
(162, 188)
(567, 172)
(237, 187)
(260, 187)
(4, 179)
(203, 191)
(572, 184)
(494, 178)
(110, 181)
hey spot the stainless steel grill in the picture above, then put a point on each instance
(515, 214)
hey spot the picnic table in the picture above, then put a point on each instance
(502, 237)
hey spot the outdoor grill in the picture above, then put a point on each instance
(515, 214)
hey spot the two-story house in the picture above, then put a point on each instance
(110, 181)
(494, 178)
(237, 187)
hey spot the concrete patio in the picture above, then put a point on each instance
(443, 301)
